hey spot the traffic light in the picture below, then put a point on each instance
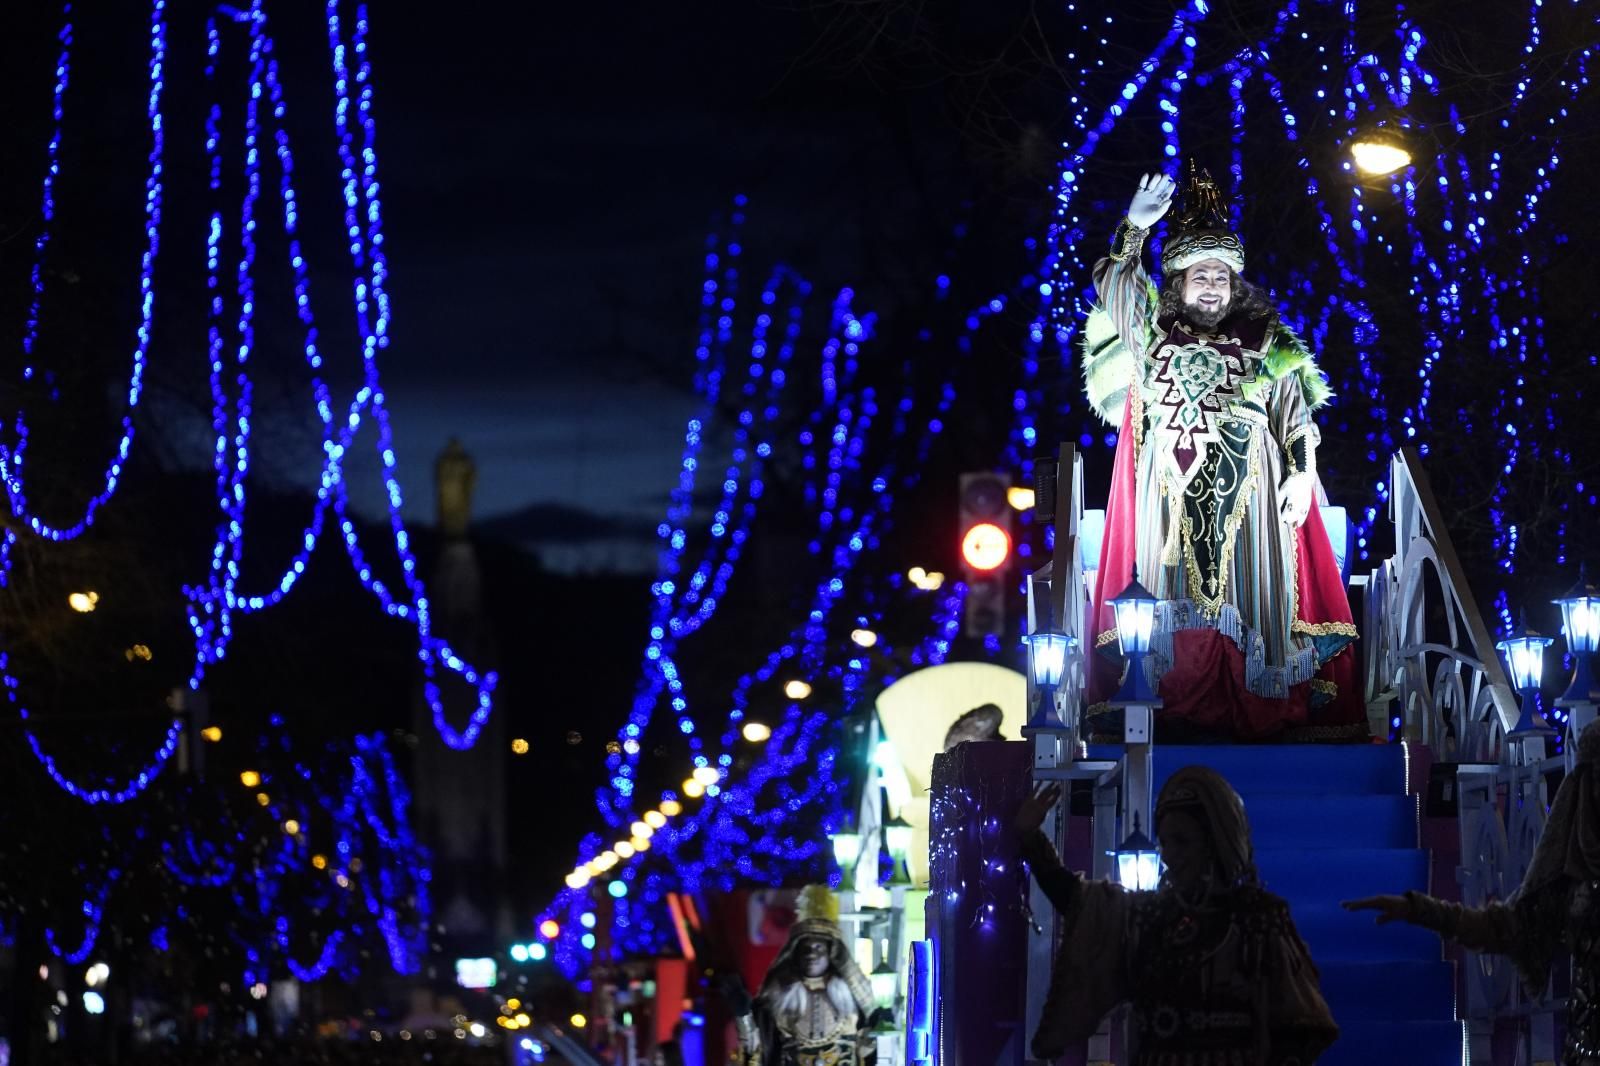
(985, 531)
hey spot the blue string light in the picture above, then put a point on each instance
(744, 830)
(12, 455)
(213, 604)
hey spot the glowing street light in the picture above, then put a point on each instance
(1047, 661)
(1379, 151)
(1135, 611)
(1524, 652)
(1020, 497)
(1580, 614)
(1138, 861)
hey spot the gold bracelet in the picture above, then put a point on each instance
(1129, 243)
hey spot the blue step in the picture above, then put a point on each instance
(1336, 935)
(1334, 822)
(1392, 1043)
(1320, 822)
(1328, 875)
(1303, 768)
(1388, 991)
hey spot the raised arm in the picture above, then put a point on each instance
(1061, 886)
(1119, 326)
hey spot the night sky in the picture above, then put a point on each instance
(549, 177)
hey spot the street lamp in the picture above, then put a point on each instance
(1138, 861)
(1380, 151)
(897, 834)
(846, 852)
(885, 983)
(1136, 611)
(1047, 661)
(1524, 654)
(1580, 613)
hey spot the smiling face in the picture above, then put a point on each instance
(1185, 848)
(1207, 293)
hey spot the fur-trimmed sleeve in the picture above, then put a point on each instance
(1116, 334)
(1287, 354)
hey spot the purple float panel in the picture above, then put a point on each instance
(977, 905)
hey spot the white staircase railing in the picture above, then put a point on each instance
(1431, 662)
(1430, 659)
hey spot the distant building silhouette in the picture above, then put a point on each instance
(460, 796)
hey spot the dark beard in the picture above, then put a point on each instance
(1206, 321)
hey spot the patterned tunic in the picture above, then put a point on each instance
(1220, 420)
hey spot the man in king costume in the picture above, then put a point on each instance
(815, 1007)
(1213, 487)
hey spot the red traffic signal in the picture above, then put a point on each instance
(985, 547)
